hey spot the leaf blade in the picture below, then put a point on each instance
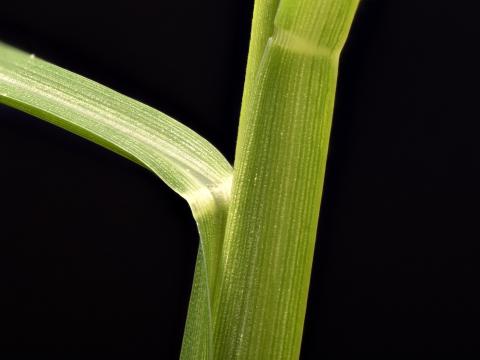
(82, 106)
(189, 164)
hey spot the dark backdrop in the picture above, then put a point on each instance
(96, 254)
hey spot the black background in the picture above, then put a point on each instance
(97, 255)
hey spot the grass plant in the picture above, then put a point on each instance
(257, 221)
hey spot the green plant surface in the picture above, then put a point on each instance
(250, 288)
(262, 28)
(189, 164)
(279, 170)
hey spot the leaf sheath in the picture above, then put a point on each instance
(279, 170)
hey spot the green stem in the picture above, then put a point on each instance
(278, 179)
(198, 334)
(262, 29)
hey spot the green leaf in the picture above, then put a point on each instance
(189, 164)
(279, 171)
